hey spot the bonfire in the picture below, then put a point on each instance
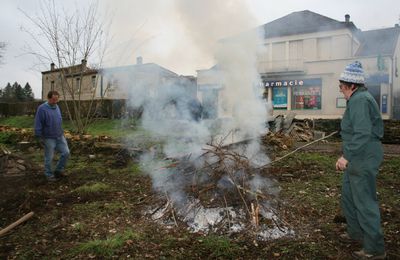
(221, 191)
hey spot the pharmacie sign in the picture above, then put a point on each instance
(292, 83)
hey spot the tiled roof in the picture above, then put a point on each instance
(379, 42)
(303, 22)
(146, 67)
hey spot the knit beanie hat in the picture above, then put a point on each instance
(353, 73)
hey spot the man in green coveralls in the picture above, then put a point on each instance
(361, 131)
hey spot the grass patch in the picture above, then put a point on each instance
(311, 249)
(107, 247)
(80, 227)
(112, 127)
(316, 183)
(98, 208)
(92, 188)
(220, 247)
(134, 169)
(18, 121)
(8, 138)
(388, 182)
(323, 161)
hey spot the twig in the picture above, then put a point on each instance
(227, 212)
(280, 219)
(253, 215)
(292, 152)
(241, 195)
(172, 209)
(191, 205)
(16, 223)
(173, 216)
(251, 192)
(158, 208)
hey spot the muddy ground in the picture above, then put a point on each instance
(97, 211)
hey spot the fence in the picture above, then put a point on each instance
(107, 108)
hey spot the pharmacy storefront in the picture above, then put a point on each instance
(294, 94)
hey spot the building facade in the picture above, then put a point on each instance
(303, 57)
(131, 82)
(75, 82)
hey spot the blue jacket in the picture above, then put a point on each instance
(48, 121)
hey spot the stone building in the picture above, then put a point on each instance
(75, 82)
(305, 53)
(117, 83)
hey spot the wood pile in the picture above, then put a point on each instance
(12, 165)
(286, 131)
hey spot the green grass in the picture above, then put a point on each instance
(107, 247)
(132, 169)
(220, 247)
(18, 121)
(388, 182)
(316, 183)
(97, 208)
(8, 138)
(80, 227)
(92, 188)
(323, 161)
(112, 127)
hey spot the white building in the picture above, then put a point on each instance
(305, 54)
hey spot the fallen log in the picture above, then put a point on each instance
(16, 223)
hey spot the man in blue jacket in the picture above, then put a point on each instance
(361, 131)
(48, 128)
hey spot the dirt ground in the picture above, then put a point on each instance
(97, 212)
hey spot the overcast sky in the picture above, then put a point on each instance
(176, 34)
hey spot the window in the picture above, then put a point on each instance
(295, 50)
(279, 97)
(341, 102)
(210, 104)
(78, 85)
(52, 85)
(93, 83)
(324, 48)
(112, 85)
(279, 54)
(306, 97)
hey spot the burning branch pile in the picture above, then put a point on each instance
(221, 191)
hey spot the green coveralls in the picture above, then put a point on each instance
(361, 131)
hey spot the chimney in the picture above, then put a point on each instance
(52, 66)
(84, 62)
(139, 60)
(347, 18)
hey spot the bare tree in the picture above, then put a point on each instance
(65, 40)
(2, 50)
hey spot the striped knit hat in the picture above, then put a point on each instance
(353, 73)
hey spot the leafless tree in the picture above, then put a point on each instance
(2, 50)
(66, 39)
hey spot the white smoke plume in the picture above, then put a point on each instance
(212, 28)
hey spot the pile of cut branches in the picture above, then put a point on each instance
(223, 190)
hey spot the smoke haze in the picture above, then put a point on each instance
(186, 31)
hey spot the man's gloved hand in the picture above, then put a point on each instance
(39, 141)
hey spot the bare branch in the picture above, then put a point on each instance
(66, 39)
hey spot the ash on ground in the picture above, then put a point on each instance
(221, 191)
